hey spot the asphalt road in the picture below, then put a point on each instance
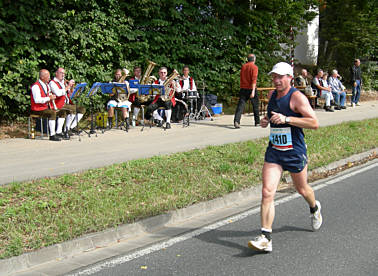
(346, 244)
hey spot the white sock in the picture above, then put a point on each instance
(136, 112)
(156, 116)
(74, 121)
(52, 127)
(168, 114)
(59, 128)
(69, 119)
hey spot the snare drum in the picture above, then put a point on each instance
(192, 95)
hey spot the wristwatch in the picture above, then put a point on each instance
(287, 120)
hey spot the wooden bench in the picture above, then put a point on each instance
(31, 120)
(263, 98)
(348, 95)
(312, 100)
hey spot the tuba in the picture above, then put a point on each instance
(169, 91)
(146, 77)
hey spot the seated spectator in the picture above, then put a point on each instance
(316, 85)
(302, 79)
(337, 89)
(326, 93)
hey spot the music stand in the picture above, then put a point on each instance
(203, 106)
(149, 90)
(75, 95)
(116, 88)
(93, 91)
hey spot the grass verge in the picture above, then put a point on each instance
(48, 211)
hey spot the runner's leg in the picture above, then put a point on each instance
(271, 177)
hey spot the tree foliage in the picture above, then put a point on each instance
(91, 38)
(348, 30)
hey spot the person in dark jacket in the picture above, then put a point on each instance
(356, 82)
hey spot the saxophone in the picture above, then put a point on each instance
(169, 91)
(121, 93)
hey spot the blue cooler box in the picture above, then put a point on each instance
(217, 108)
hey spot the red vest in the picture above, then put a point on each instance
(173, 100)
(132, 96)
(59, 101)
(39, 106)
(190, 83)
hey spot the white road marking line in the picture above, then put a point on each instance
(229, 220)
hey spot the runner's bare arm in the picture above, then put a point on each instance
(298, 104)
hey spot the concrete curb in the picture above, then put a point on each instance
(112, 236)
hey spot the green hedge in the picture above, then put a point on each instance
(91, 38)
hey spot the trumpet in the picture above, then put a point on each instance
(66, 83)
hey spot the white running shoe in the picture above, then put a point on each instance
(316, 218)
(357, 104)
(261, 243)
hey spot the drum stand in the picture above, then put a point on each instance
(203, 108)
(192, 112)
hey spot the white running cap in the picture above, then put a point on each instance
(282, 68)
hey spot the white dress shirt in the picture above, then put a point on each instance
(56, 90)
(186, 84)
(37, 95)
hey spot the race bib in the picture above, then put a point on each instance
(280, 138)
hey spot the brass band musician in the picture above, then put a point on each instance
(133, 98)
(61, 89)
(187, 85)
(42, 102)
(118, 100)
(159, 102)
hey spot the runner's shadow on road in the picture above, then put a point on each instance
(213, 125)
(219, 237)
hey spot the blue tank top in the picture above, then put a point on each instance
(278, 139)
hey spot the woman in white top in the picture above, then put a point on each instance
(326, 94)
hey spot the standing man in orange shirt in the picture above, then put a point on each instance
(248, 79)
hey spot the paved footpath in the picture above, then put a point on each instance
(24, 159)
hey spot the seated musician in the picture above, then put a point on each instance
(187, 84)
(42, 102)
(118, 100)
(134, 92)
(159, 102)
(61, 89)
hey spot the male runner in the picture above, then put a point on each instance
(288, 112)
